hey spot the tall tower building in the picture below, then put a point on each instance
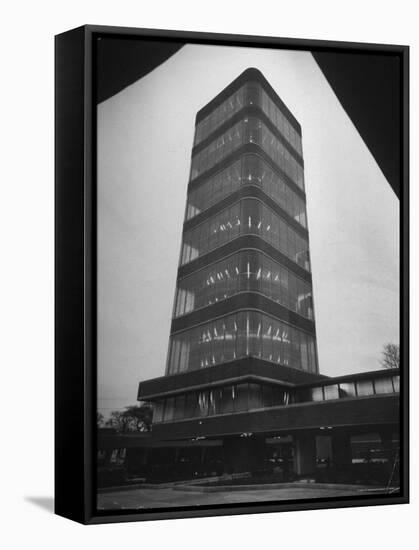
(244, 283)
(243, 329)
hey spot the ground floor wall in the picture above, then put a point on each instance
(327, 455)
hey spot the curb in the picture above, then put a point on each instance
(230, 488)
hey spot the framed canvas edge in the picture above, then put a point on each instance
(70, 365)
(81, 439)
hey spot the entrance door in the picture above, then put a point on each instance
(280, 459)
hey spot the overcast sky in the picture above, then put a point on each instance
(145, 136)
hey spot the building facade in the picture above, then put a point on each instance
(242, 369)
(244, 283)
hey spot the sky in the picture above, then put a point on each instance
(145, 137)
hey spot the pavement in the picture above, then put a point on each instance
(174, 496)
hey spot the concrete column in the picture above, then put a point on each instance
(203, 454)
(305, 454)
(257, 453)
(341, 449)
(386, 436)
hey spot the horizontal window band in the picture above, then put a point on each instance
(221, 372)
(249, 75)
(243, 242)
(239, 370)
(242, 250)
(247, 191)
(247, 148)
(243, 301)
(247, 111)
(243, 281)
(323, 382)
(221, 383)
(259, 292)
(365, 413)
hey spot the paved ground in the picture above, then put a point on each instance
(168, 496)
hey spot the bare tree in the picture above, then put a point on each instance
(390, 356)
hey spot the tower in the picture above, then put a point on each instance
(243, 329)
(244, 283)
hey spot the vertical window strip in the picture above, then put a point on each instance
(216, 188)
(276, 116)
(220, 114)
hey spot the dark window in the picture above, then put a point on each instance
(228, 399)
(179, 407)
(241, 397)
(158, 409)
(255, 396)
(169, 409)
(191, 405)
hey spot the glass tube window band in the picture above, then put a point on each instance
(242, 334)
(244, 271)
(248, 130)
(250, 94)
(249, 170)
(246, 217)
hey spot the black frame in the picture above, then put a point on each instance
(75, 272)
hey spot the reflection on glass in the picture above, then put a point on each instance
(222, 400)
(221, 114)
(169, 409)
(364, 387)
(383, 385)
(246, 217)
(250, 94)
(248, 130)
(240, 272)
(242, 334)
(218, 149)
(214, 189)
(252, 396)
(316, 394)
(331, 392)
(250, 170)
(158, 408)
(347, 389)
(257, 172)
(273, 112)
